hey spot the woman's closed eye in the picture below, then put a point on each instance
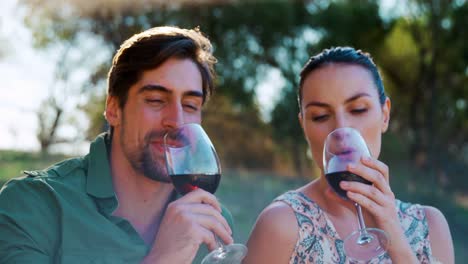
(359, 110)
(320, 118)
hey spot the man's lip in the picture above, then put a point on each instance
(159, 145)
(172, 143)
(157, 142)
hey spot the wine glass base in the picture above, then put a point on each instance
(363, 249)
(229, 254)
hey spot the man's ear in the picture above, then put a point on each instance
(386, 114)
(113, 112)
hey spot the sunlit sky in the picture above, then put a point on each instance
(27, 75)
(24, 78)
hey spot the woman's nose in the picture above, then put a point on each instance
(341, 121)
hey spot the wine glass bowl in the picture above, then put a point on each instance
(192, 163)
(191, 159)
(342, 147)
(345, 146)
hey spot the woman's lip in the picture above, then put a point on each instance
(347, 151)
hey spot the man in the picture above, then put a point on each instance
(117, 204)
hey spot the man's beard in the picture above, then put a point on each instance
(144, 160)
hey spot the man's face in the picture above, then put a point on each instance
(163, 98)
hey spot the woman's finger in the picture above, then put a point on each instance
(369, 191)
(368, 204)
(377, 165)
(372, 175)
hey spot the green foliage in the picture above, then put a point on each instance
(242, 140)
(422, 55)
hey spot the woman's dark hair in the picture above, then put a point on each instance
(151, 48)
(346, 55)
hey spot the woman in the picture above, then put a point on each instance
(341, 87)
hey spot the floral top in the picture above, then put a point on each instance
(319, 242)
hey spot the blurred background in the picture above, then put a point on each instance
(55, 54)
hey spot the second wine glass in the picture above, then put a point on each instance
(192, 163)
(343, 146)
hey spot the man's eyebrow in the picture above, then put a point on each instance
(194, 93)
(160, 88)
(153, 87)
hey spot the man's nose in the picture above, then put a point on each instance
(173, 117)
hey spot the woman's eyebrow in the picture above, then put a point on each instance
(357, 96)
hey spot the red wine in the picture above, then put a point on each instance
(185, 183)
(335, 178)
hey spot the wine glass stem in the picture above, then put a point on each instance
(362, 224)
(220, 247)
(364, 237)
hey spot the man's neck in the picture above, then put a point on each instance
(142, 201)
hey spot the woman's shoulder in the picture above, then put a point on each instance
(413, 210)
(275, 216)
(273, 236)
(442, 244)
(421, 212)
(433, 214)
(438, 226)
(279, 218)
(435, 228)
(299, 202)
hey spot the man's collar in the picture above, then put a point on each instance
(99, 181)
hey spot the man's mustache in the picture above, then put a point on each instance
(155, 135)
(174, 138)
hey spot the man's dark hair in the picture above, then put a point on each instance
(346, 55)
(151, 48)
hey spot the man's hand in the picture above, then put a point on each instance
(187, 223)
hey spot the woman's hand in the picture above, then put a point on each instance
(379, 201)
(378, 198)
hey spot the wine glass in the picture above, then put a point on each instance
(192, 163)
(343, 146)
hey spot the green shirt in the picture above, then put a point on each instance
(64, 215)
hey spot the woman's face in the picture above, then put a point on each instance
(342, 95)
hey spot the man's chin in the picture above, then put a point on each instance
(159, 177)
(154, 166)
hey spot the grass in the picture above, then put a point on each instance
(12, 163)
(245, 194)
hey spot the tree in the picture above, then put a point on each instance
(252, 38)
(430, 81)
